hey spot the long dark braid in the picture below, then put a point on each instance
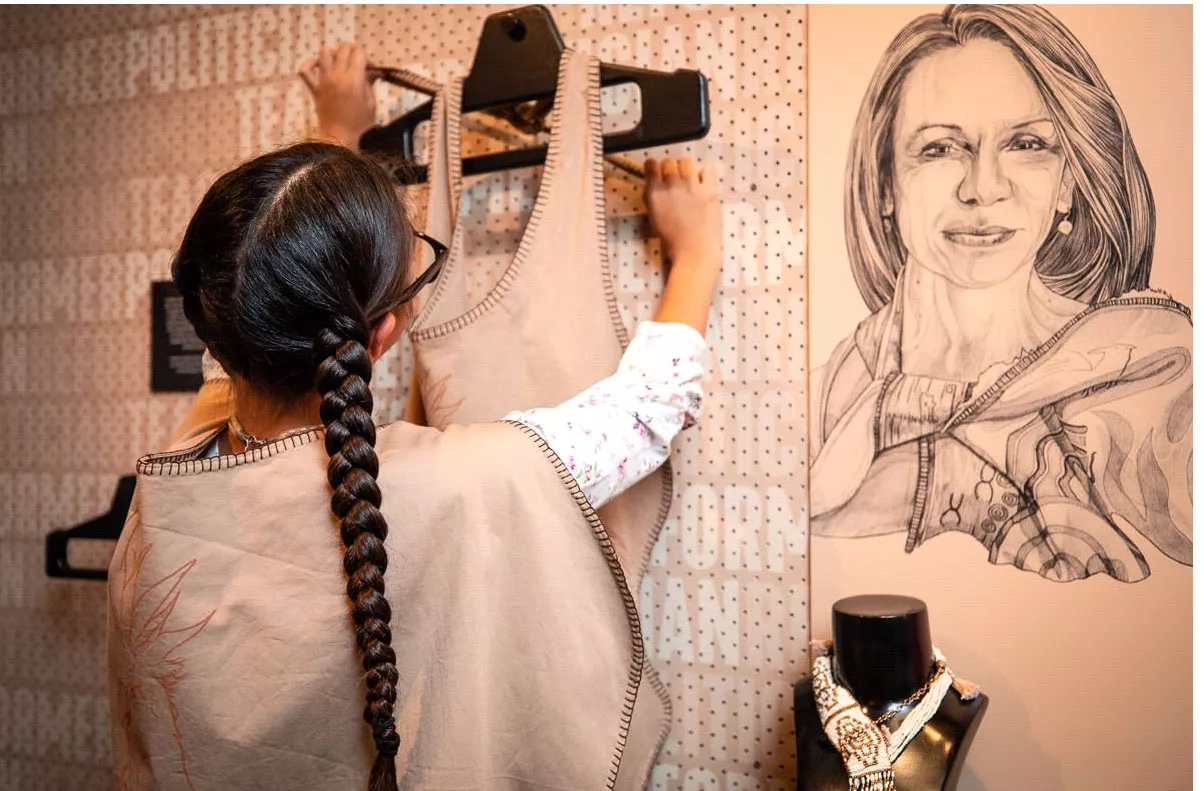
(343, 378)
(287, 264)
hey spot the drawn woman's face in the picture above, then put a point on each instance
(978, 167)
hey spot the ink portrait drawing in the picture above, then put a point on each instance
(1017, 382)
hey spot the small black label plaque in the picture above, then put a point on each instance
(175, 349)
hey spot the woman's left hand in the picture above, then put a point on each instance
(343, 98)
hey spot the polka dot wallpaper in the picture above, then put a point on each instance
(113, 122)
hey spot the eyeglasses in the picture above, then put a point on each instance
(429, 274)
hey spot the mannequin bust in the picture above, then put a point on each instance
(882, 653)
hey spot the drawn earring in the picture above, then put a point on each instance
(886, 223)
(1065, 226)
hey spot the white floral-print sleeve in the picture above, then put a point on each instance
(618, 431)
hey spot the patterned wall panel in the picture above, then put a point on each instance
(114, 120)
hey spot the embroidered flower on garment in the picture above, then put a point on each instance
(148, 646)
(441, 410)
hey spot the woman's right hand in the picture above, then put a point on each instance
(343, 99)
(683, 207)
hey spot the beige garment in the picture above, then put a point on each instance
(548, 329)
(232, 655)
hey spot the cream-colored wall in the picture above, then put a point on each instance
(1090, 682)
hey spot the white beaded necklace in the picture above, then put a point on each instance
(866, 746)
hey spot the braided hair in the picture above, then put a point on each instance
(285, 267)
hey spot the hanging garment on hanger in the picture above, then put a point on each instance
(549, 328)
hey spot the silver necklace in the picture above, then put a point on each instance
(251, 441)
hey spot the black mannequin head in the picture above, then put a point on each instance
(882, 647)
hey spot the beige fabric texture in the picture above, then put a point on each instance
(232, 658)
(547, 330)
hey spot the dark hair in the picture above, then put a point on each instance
(286, 265)
(1110, 248)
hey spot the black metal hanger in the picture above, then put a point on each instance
(517, 61)
(107, 527)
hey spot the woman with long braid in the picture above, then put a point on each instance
(256, 538)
